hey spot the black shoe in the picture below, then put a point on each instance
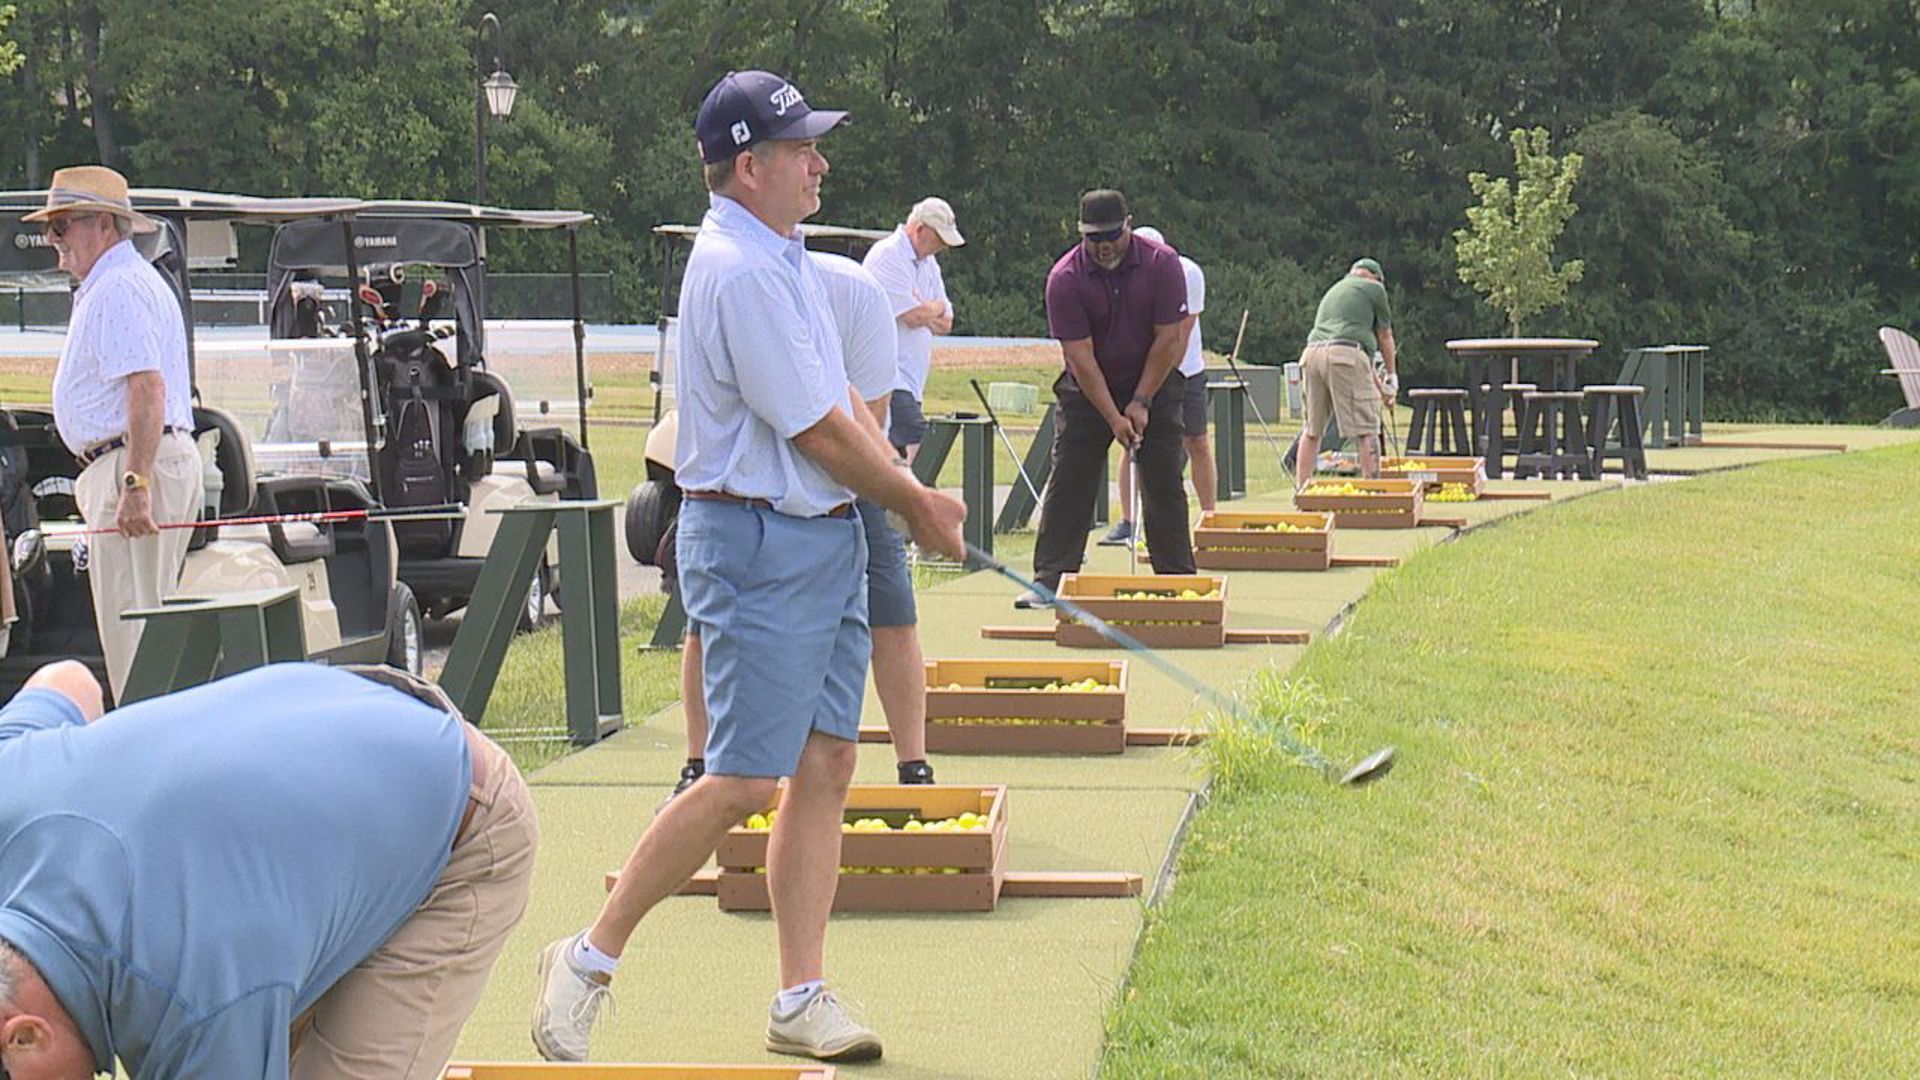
(1119, 536)
(916, 772)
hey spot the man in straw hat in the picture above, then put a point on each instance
(122, 403)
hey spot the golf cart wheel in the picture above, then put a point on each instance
(650, 509)
(533, 606)
(406, 637)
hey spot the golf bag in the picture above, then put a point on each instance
(416, 466)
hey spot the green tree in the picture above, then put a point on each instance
(9, 49)
(1506, 251)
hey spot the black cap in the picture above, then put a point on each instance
(1102, 209)
(746, 107)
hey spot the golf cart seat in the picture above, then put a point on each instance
(228, 467)
(506, 455)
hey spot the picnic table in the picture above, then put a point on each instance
(1483, 357)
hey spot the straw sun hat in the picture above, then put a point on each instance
(91, 189)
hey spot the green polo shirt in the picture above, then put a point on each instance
(1351, 311)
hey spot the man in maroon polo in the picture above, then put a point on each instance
(1116, 303)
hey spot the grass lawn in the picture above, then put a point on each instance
(1654, 815)
(527, 712)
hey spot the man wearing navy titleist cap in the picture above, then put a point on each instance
(772, 571)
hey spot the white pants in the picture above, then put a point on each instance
(131, 574)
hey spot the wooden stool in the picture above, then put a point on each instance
(1551, 442)
(1492, 427)
(1439, 425)
(1610, 409)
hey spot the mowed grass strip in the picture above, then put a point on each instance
(1654, 815)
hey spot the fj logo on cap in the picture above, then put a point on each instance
(742, 134)
(785, 98)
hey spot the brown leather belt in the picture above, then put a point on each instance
(844, 510)
(101, 449)
(482, 771)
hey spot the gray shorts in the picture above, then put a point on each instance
(889, 582)
(1193, 406)
(782, 613)
(906, 424)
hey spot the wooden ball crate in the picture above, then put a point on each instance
(547, 1070)
(1379, 504)
(1435, 471)
(1241, 541)
(961, 871)
(1165, 621)
(1052, 721)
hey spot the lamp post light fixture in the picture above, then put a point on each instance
(492, 96)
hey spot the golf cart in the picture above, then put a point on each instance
(354, 610)
(465, 410)
(655, 501)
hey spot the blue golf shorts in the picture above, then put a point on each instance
(780, 603)
(889, 582)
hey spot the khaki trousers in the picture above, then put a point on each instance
(397, 1015)
(130, 574)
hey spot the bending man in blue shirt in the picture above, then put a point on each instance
(298, 871)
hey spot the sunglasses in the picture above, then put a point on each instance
(1107, 236)
(57, 228)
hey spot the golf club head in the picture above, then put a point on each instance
(1370, 768)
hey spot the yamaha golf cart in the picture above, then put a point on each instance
(654, 502)
(464, 409)
(354, 610)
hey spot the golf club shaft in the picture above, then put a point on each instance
(1006, 442)
(448, 512)
(1300, 750)
(1234, 366)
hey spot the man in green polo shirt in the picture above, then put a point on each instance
(1354, 321)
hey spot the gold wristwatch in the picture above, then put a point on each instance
(132, 481)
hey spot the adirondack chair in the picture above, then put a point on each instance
(1904, 352)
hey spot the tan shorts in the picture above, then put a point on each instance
(1338, 379)
(397, 1015)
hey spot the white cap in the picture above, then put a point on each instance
(1150, 233)
(935, 214)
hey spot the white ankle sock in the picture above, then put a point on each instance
(589, 959)
(795, 998)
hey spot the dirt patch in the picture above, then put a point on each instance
(993, 356)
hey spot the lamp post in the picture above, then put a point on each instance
(492, 96)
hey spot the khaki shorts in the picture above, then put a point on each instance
(1339, 380)
(397, 1015)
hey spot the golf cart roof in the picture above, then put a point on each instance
(466, 213)
(200, 205)
(807, 229)
(215, 206)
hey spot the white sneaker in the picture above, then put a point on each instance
(568, 1005)
(821, 1030)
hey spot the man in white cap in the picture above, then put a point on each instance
(122, 401)
(1193, 405)
(907, 265)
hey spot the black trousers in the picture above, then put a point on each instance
(1081, 439)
